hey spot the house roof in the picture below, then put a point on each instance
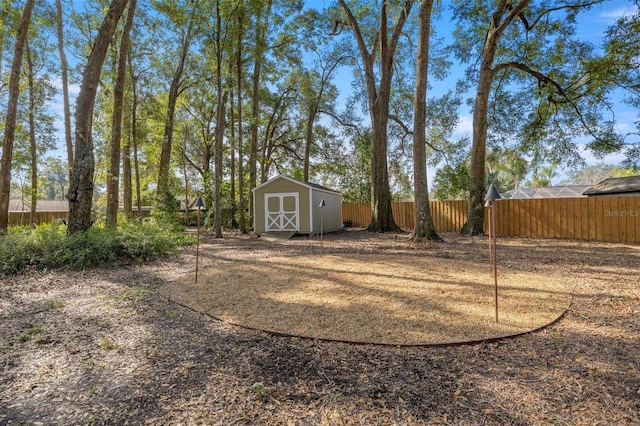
(300, 182)
(567, 191)
(21, 206)
(619, 185)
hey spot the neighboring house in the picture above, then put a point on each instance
(23, 206)
(567, 191)
(284, 204)
(47, 211)
(616, 187)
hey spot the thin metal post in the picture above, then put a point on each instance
(198, 243)
(322, 204)
(490, 239)
(199, 204)
(495, 257)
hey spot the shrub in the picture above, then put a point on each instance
(49, 246)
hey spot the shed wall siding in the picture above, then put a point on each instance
(309, 212)
(332, 215)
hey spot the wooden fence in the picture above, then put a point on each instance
(448, 216)
(611, 219)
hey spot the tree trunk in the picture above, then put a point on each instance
(11, 116)
(219, 130)
(33, 152)
(81, 188)
(308, 139)
(232, 162)
(128, 184)
(241, 187)
(255, 100)
(187, 204)
(4, 12)
(64, 72)
(167, 139)
(113, 174)
(253, 129)
(475, 219)
(381, 212)
(424, 227)
(220, 126)
(127, 195)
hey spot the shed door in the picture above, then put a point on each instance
(281, 212)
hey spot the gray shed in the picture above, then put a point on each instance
(616, 187)
(284, 204)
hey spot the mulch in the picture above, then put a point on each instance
(107, 347)
(392, 299)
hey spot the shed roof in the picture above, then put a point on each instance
(619, 185)
(567, 191)
(21, 206)
(299, 182)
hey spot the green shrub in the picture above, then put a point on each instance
(49, 246)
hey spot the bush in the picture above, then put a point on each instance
(49, 246)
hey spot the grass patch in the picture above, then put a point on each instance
(29, 334)
(132, 294)
(54, 304)
(109, 344)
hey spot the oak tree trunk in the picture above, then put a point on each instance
(81, 188)
(113, 174)
(64, 73)
(11, 116)
(475, 219)
(424, 227)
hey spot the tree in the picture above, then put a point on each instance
(184, 18)
(220, 121)
(523, 41)
(543, 176)
(384, 44)
(316, 89)
(11, 117)
(451, 182)
(81, 188)
(618, 69)
(64, 74)
(424, 227)
(113, 174)
(239, 80)
(54, 179)
(591, 175)
(260, 41)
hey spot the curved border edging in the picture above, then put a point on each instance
(390, 345)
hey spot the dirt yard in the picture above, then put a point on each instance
(116, 347)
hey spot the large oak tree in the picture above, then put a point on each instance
(380, 50)
(11, 117)
(81, 188)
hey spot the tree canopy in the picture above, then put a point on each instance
(211, 98)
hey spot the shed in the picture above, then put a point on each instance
(284, 204)
(616, 187)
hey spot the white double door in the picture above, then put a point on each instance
(282, 212)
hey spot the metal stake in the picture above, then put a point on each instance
(199, 205)
(322, 204)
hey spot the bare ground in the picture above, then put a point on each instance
(107, 347)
